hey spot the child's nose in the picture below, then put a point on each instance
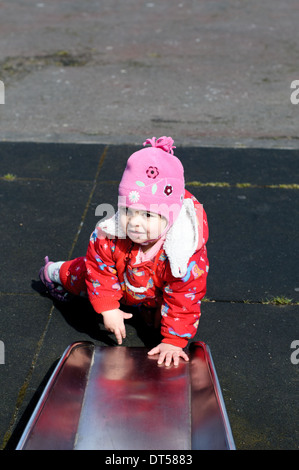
(135, 219)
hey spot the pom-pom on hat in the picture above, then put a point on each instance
(153, 180)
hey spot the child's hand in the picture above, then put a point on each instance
(114, 322)
(169, 353)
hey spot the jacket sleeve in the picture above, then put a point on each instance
(103, 288)
(180, 310)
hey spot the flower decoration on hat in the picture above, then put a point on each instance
(152, 172)
(134, 196)
(168, 190)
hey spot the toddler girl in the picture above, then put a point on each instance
(151, 253)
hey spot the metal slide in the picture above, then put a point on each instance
(119, 398)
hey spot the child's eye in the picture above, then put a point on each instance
(129, 212)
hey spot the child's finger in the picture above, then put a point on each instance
(153, 351)
(162, 357)
(127, 315)
(119, 336)
(176, 359)
(184, 356)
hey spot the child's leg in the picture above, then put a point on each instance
(54, 270)
(64, 277)
(54, 287)
(72, 276)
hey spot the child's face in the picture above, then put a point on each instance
(141, 226)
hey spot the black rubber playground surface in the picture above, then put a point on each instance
(48, 197)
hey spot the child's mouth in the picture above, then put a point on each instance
(135, 233)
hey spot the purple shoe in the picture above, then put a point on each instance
(55, 290)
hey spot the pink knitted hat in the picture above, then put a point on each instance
(153, 180)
